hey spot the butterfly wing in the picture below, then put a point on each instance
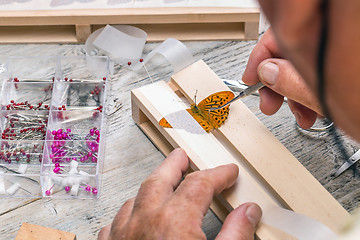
(200, 119)
(216, 117)
(201, 115)
(164, 123)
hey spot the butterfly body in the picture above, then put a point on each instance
(194, 109)
(207, 119)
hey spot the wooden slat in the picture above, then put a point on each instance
(128, 16)
(195, 31)
(38, 34)
(34, 232)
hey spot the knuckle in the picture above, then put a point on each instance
(128, 203)
(165, 220)
(199, 180)
(165, 215)
(150, 181)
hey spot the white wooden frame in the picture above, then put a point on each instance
(273, 173)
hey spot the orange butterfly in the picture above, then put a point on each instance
(208, 119)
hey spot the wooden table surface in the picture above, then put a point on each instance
(130, 156)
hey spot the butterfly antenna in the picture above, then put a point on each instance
(195, 97)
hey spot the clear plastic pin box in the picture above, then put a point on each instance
(53, 126)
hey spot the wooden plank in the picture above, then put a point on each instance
(195, 31)
(129, 16)
(38, 34)
(34, 232)
(284, 181)
(74, 26)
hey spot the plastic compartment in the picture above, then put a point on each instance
(23, 124)
(26, 95)
(78, 124)
(20, 168)
(30, 69)
(52, 143)
(25, 152)
(71, 169)
(19, 185)
(83, 69)
(80, 185)
(79, 95)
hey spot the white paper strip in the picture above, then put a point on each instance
(121, 42)
(174, 51)
(171, 107)
(22, 168)
(125, 44)
(11, 190)
(75, 190)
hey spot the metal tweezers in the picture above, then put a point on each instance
(346, 165)
(244, 93)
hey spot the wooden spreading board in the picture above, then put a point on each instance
(267, 168)
(183, 23)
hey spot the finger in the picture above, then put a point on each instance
(194, 195)
(123, 215)
(264, 49)
(305, 117)
(270, 101)
(104, 233)
(280, 76)
(294, 21)
(241, 223)
(162, 182)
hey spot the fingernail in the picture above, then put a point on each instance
(254, 213)
(269, 73)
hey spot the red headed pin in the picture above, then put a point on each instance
(142, 61)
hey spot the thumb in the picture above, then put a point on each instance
(280, 76)
(241, 223)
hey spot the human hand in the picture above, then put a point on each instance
(167, 209)
(297, 26)
(281, 78)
